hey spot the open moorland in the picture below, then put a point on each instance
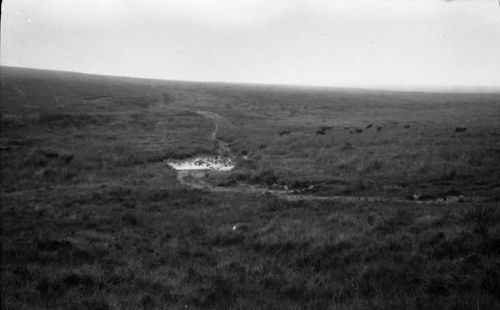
(338, 199)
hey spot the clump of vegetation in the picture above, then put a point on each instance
(481, 216)
(43, 156)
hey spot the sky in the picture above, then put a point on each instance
(347, 43)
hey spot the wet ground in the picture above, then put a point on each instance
(203, 163)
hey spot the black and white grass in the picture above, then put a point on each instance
(169, 170)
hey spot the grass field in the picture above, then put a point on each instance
(92, 218)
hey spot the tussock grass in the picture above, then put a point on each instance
(92, 219)
(285, 254)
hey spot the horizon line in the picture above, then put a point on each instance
(381, 87)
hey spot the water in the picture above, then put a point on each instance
(203, 163)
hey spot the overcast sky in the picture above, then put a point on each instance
(336, 43)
